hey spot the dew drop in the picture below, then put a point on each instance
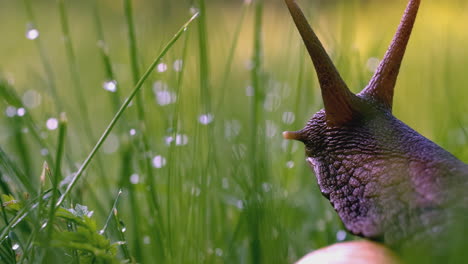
(272, 102)
(178, 65)
(160, 86)
(168, 140)
(135, 178)
(165, 97)
(194, 10)
(219, 252)
(249, 65)
(340, 235)
(101, 232)
(110, 86)
(32, 33)
(162, 67)
(31, 99)
(21, 111)
(206, 119)
(232, 129)
(249, 91)
(240, 204)
(372, 64)
(195, 191)
(15, 246)
(10, 111)
(225, 183)
(124, 229)
(159, 161)
(271, 129)
(290, 164)
(52, 123)
(266, 187)
(288, 117)
(320, 225)
(181, 140)
(44, 152)
(132, 132)
(111, 145)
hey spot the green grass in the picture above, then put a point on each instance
(202, 175)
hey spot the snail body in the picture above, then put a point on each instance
(386, 181)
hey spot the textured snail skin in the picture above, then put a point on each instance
(386, 181)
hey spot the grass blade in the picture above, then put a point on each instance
(122, 110)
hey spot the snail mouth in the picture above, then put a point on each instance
(294, 135)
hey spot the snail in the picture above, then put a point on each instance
(387, 182)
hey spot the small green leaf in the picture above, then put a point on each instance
(10, 203)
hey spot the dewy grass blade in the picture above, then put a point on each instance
(122, 110)
(56, 177)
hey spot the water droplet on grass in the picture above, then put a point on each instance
(249, 65)
(225, 183)
(219, 252)
(132, 132)
(135, 178)
(44, 152)
(178, 65)
(15, 246)
(181, 140)
(320, 225)
(124, 229)
(240, 204)
(110, 86)
(21, 111)
(111, 145)
(290, 164)
(52, 123)
(341, 235)
(159, 161)
(194, 10)
(31, 99)
(266, 187)
(288, 117)
(372, 64)
(271, 129)
(272, 102)
(32, 33)
(195, 191)
(162, 67)
(165, 97)
(232, 129)
(160, 86)
(10, 111)
(206, 119)
(249, 91)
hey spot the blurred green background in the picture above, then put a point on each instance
(205, 174)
